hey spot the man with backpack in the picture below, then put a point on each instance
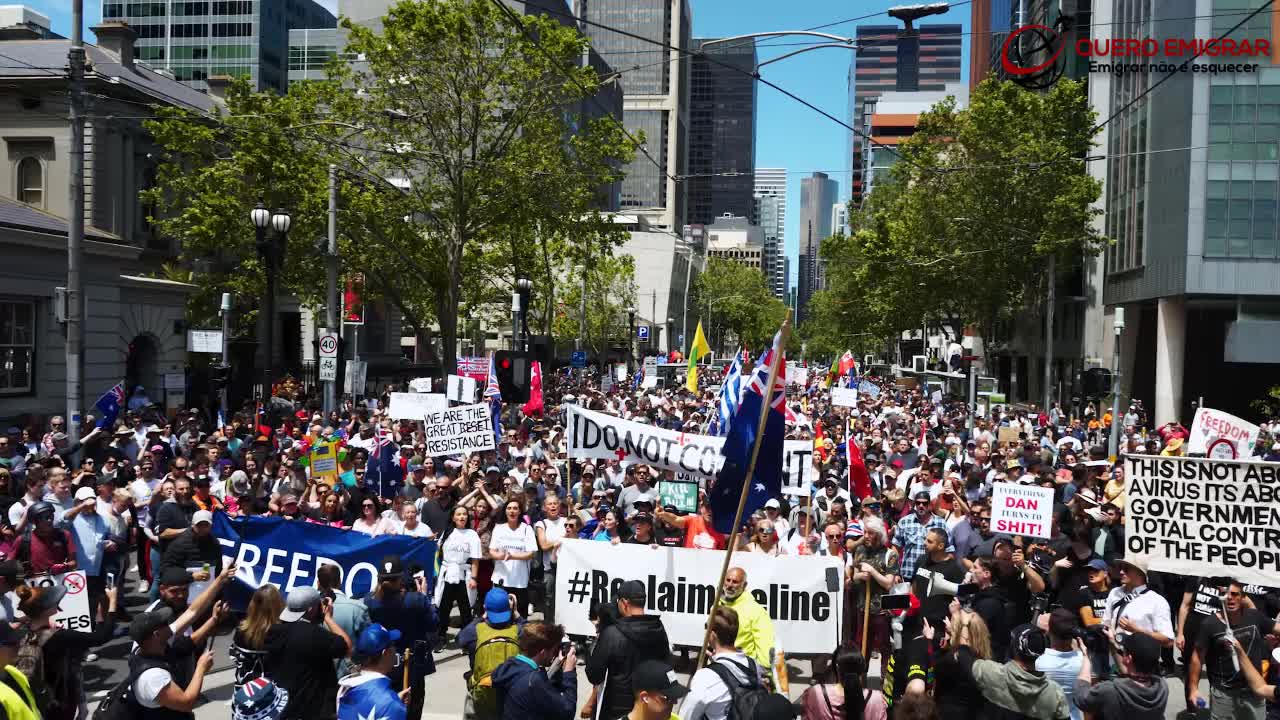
(151, 692)
(731, 683)
(632, 639)
(490, 641)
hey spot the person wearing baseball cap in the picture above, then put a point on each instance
(656, 691)
(195, 550)
(369, 692)
(156, 687)
(622, 646)
(1015, 687)
(1137, 693)
(301, 649)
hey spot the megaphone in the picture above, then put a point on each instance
(939, 585)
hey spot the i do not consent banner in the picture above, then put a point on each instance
(1199, 516)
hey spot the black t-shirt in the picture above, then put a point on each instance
(172, 515)
(1217, 655)
(300, 659)
(937, 606)
(1082, 596)
(1206, 601)
(1016, 593)
(910, 662)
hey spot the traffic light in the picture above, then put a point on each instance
(219, 375)
(514, 370)
(1096, 382)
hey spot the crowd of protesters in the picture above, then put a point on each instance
(1033, 627)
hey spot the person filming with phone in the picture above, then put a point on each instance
(301, 649)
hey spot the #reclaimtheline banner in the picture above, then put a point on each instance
(803, 595)
(287, 553)
(1200, 516)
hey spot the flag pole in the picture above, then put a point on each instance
(784, 335)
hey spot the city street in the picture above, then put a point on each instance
(446, 689)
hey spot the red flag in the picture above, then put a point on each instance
(847, 363)
(819, 438)
(859, 478)
(534, 406)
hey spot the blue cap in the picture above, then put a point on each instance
(1097, 564)
(375, 639)
(497, 608)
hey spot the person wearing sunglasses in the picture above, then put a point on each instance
(909, 535)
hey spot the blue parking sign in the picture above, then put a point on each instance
(642, 333)
(578, 358)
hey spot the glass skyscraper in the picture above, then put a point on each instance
(722, 131)
(197, 39)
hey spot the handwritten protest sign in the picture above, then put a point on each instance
(1210, 427)
(683, 495)
(1021, 510)
(412, 406)
(844, 397)
(1200, 516)
(461, 429)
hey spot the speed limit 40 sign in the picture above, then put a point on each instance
(328, 355)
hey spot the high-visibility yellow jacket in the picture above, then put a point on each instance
(755, 628)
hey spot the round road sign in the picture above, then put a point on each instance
(329, 345)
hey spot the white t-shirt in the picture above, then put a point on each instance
(422, 530)
(512, 573)
(553, 530)
(149, 686)
(459, 549)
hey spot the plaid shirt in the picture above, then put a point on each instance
(909, 538)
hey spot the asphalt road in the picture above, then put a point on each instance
(446, 689)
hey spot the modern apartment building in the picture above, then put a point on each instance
(770, 213)
(197, 39)
(1192, 203)
(722, 130)
(818, 193)
(655, 98)
(885, 62)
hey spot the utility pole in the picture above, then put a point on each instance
(1048, 334)
(1113, 443)
(226, 351)
(331, 278)
(75, 227)
(582, 310)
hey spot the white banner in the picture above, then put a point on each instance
(599, 436)
(1021, 510)
(1213, 428)
(844, 397)
(461, 429)
(1198, 516)
(803, 594)
(414, 405)
(797, 374)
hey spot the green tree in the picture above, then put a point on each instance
(480, 113)
(962, 227)
(611, 289)
(732, 299)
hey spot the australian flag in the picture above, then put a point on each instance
(766, 481)
(109, 405)
(493, 395)
(384, 475)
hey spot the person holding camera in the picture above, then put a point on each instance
(1137, 693)
(411, 613)
(301, 650)
(633, 638)
(1061, 661)
(1229, 693)
(526, 691)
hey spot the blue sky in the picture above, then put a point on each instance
(788, 134)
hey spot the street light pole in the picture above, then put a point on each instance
(524, 286)
(631, 334)
(1048, 333)
(75, 227)
(331, 279)
(272, 252)
(226, 347)
(582, 309)
(1113, 445)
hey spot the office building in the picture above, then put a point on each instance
(722, 130)
(311, 50)
(883, 63)
(891, 120)
(770, 209)
(771, 181)
(992, 20)
(1192, 190)
(734, 238)
(817, 194)
(198, 39)
(19, 22)
(655, 97)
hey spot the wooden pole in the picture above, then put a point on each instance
(785, 334)
(408, 653)
(866, 615)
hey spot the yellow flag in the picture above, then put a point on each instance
(697, 351)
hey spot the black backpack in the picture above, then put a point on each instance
(742, 698)
(120, 702)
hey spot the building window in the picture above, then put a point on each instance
(31, 181)
(17, 346)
